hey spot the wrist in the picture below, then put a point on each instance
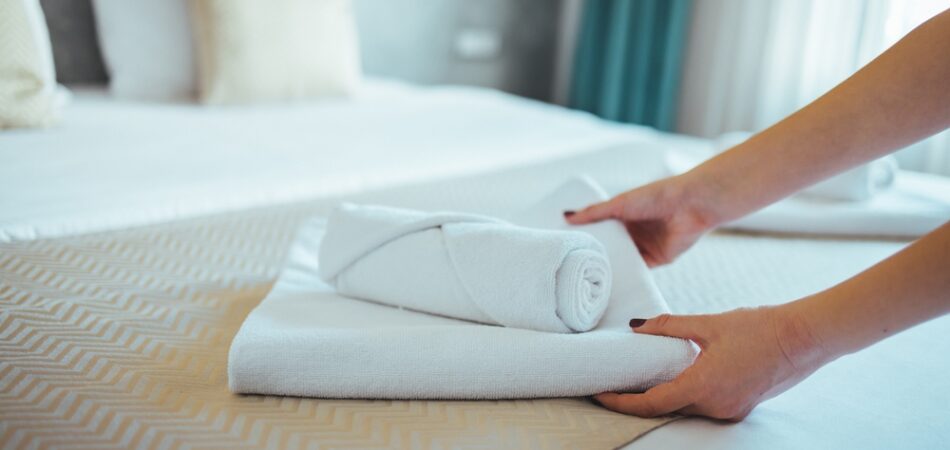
(800, 337)
(703, 196)
(735, 182)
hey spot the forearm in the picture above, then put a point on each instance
(906, 289)
(897, 99)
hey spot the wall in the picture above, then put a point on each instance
(568, 31)
(417, 40)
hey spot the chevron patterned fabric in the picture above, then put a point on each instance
(120, 340)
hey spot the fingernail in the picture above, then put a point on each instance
(637, 323)
(569, 213)
(596, 402)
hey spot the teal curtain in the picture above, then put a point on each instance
(628, 60)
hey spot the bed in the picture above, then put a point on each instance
(134, 239)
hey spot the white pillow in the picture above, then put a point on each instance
(29, 95)
(147, 48)
(270, 50)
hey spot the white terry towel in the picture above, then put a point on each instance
(306, 339)
(858, 184)
(917, 204)
(872, 200)
(468, 267)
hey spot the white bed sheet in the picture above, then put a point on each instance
(153, 163)
(117, 163)
(892, 395)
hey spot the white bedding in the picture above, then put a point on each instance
(119, 164)
(892, 395)
(113, 163)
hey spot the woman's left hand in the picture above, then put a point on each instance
(747, 357)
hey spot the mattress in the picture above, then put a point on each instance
(117, 338)
(115, 163)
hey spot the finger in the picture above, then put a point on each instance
(687, 327)
(657, 401)
(715, 413)
(645, 247)
(609, 209)
(650, 260)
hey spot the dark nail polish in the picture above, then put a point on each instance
(569, 213)
(596, 402)
(637, 323)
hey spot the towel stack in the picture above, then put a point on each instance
(468, 267)
(307, 339)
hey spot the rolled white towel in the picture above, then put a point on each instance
(467, 266)
(858, 184)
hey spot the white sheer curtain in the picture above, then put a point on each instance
(752, 62)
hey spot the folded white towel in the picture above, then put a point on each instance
(468, 267)
(872, 200)
(305, 339)
(917, 204)
(860, 183)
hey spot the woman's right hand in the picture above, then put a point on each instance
(664, 218)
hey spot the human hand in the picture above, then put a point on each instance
(663, 218)
(747, 357)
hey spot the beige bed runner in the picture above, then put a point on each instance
(120, 340)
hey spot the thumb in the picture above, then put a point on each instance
(609, 209)
(687, 327)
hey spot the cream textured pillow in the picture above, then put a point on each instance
(267, 50)
(29, 96)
